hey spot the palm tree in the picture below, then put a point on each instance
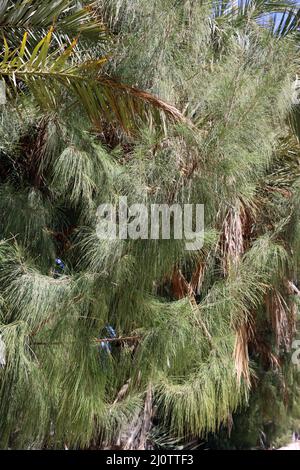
(38, 59)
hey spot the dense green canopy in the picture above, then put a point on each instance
(161, 102)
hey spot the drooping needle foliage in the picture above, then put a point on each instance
(140, 343)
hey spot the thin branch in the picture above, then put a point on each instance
(120, 338)
(96, 340)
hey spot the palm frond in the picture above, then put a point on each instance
(49, 75)
(282, 17)
(35, 18)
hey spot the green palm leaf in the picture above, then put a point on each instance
(239, 13)
(48, 74)
(35, 17)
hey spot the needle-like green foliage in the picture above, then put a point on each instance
(194, 330)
